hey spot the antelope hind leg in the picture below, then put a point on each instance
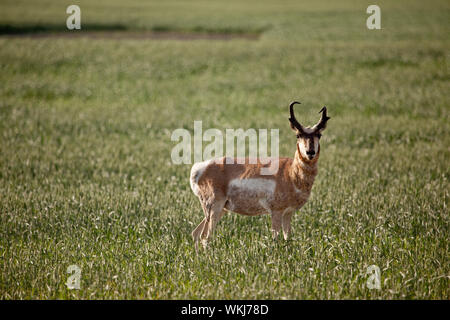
(215, 213)
(197, 231)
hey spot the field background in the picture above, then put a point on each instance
(86, 176)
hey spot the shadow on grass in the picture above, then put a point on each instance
(388, 62)
(118, 31)
(8, 29)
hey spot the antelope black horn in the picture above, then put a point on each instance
(292, 119)
(323, 119)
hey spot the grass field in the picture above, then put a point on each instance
(86, 176)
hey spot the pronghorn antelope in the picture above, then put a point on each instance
(223, 185)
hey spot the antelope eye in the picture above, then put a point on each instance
(319, 135)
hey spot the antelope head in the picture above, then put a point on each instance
(308, 137)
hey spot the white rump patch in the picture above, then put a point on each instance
(196, 173)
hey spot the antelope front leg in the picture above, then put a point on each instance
(286, 221)
(276, 224)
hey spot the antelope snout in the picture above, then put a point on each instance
(310, 154)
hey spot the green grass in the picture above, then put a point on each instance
(86, 176)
